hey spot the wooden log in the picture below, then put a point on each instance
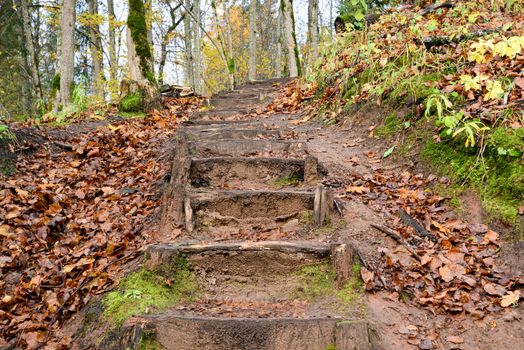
(326, 205)
(181, 162)
(352, 335)
(317, 204)
(310, 170)
(342, 259)
(173, 213)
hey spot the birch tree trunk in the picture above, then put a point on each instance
(95, 48)
(196, 47)
(113, 63)
(291, 40)
(312, 32)
(67, 56)
(252, 65)
(189, 72)
(30, 47)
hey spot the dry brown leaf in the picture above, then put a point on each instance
(510, 298)
(494, 289)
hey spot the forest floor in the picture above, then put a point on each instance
(85, 200)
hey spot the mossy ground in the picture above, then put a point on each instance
(289, 180)
(149, 291)
(499, 180)
(318, 281)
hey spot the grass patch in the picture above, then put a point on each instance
(319, 281)
(145, 291)
(132, 115)
(289, 180)
(391, 125)
(499, 180)
(132, 102)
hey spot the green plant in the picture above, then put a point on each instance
(5, 133)
(79, 96)
(437, 103)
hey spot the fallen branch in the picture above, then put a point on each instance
(408, 220)
(441, 40)
(434, 7)
(398, 238)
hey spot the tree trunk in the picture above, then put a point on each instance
(291, 40)
(312, 32)
(278, 59)
(67, 56)
(231, 55)
(140, 64)
(196, 47)
(189, 72)
(29, 45)
(113, 63)
(95, 48)
(252, 75)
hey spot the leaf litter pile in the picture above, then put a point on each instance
(69, 220)
(441, 263)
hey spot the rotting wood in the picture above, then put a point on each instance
(310, 170)
(408, 220)
(155, 252)
(326, 205)
(342, 259)
(188, 213)
(398, 238)
(352, 335)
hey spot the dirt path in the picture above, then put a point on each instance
(274, 219)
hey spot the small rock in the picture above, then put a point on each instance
(426, 344)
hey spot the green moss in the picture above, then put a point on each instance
(146, 291)
(498, 180)
(331, 347)
(391, 125)
(149, 342)
(136, 21)
(318, 281)
(132, 102)
(289, 180)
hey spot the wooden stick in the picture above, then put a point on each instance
(408, 220)
(398, 238)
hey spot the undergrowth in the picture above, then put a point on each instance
(147, 291)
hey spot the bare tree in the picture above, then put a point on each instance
(113, 63)
(196, 46)
(189, 66)
(291, 39)
(67, 56)
(252, 65)
(95, 48)
(312, 32)
(30, 48)
(278, 60)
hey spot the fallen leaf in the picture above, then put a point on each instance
(494, 289)
(510, 298)
(455, 339)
